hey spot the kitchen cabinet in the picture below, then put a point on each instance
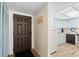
(61, 38)
(71, 24)
(75, 22)
(59, 24)
(62, 24)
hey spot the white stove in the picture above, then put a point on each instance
(77, 40)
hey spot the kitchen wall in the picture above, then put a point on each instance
(41, 32)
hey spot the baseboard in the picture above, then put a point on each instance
(61, 44)
(53, 53)
(12, 55)
(35, 53)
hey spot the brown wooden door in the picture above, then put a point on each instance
(22, 33)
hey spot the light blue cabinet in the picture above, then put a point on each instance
(75, 22)
(64, 24)
(72, 23)
(4, 30)
(69, 24)
(61, 38)
(61, 24)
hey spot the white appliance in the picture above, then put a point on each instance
(77, 40)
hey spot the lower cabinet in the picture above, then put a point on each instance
(61, 38)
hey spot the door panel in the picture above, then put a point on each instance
(19, 29)
(22, 33)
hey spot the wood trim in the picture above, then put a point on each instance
(35, 53)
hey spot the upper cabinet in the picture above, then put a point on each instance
(76, 23)
(61, 24)
(64, 24)
(69, 24)
(73, 23)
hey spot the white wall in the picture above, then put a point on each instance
(41, 32)
(11, 29)
(52, 30)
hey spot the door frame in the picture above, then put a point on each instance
(11, 51)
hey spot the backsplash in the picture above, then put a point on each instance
(68, 30)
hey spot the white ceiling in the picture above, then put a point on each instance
(63, 10)
(58, 6)
(33, 7)
(25, 7)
